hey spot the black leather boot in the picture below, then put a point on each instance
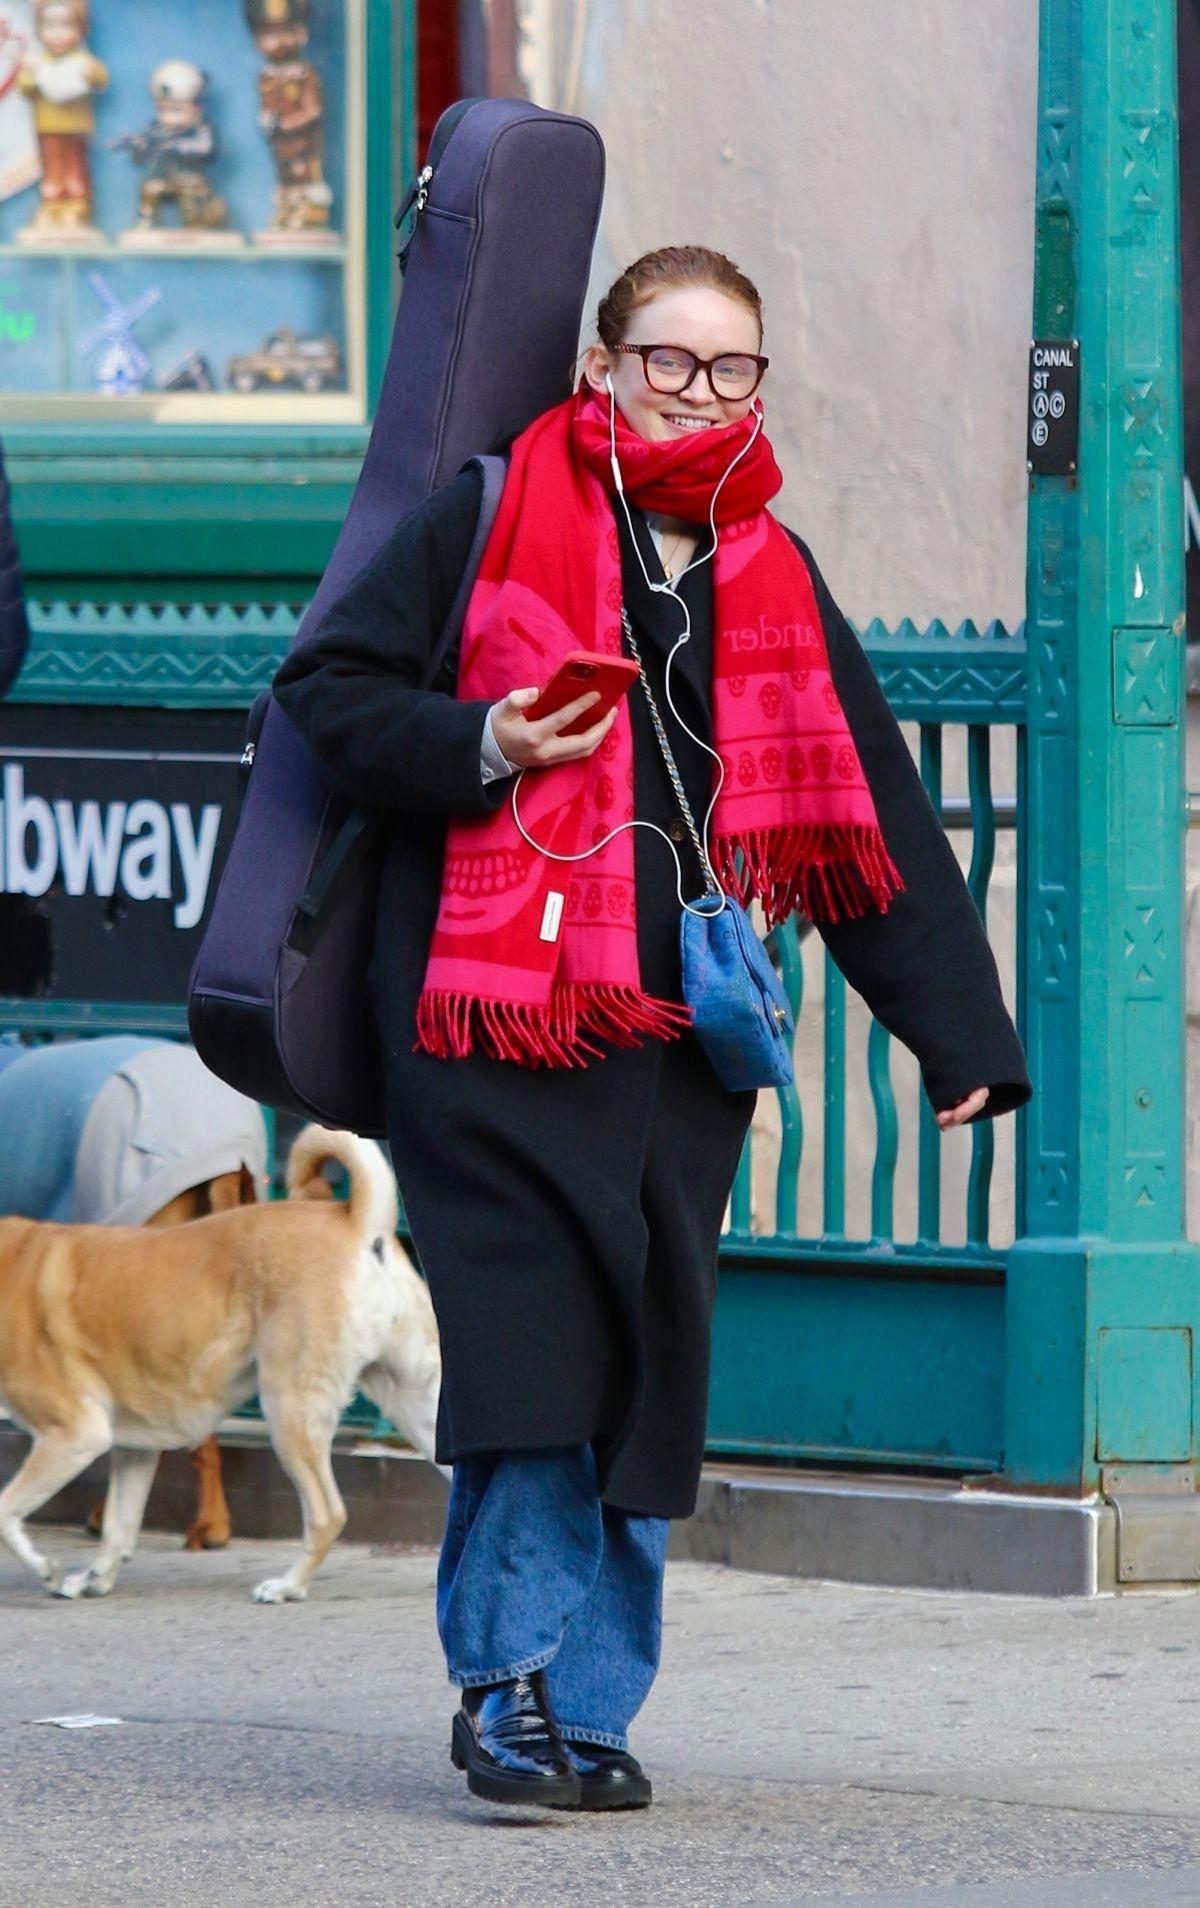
(610, 1778)
(507, 1740)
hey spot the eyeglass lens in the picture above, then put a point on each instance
(668, 369)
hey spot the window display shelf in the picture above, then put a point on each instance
(246, 252)
(148, 150)
(129, 483)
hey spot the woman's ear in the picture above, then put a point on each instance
(596, 362)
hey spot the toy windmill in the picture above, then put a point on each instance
(123, 366)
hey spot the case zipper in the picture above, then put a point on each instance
(414, 202)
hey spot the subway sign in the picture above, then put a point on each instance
(114, 825)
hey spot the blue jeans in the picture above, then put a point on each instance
(535, 1573)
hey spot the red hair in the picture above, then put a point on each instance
(671, 265)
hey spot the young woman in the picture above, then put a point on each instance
(564, 1147)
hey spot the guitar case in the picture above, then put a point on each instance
(495, 263)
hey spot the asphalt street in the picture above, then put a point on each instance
(809, 1744)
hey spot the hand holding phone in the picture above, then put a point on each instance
(569, 718)
(579, 672)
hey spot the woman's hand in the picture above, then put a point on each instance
(955, 1115)
(539, 744)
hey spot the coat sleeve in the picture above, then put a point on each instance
(352, 687)
(924, 968)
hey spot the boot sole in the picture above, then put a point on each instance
(494, 1785)
(638, 1795)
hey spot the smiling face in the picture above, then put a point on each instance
(701, 320)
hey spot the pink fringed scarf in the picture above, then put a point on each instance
(794, 823)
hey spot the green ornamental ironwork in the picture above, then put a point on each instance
(1103, 1300)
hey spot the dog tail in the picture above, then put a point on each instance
(372, 1204)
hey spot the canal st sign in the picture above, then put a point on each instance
(1053, 425)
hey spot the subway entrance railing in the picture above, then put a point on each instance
(860, 1312)
(860, 1316)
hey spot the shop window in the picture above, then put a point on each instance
(181, 210)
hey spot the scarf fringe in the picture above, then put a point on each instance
(452, 1025)
(827, 871)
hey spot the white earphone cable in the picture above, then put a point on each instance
(660, 589)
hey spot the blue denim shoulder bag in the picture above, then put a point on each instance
(740, 1012)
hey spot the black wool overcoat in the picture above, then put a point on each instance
(568, 1220)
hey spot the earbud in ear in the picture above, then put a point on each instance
(609, 382)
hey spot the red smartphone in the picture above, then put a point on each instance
(581, 670)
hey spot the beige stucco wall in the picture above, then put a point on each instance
(871, 165)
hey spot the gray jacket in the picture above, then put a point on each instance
(109, 1131)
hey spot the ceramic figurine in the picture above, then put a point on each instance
(122, 365)
(193, 374)
(20, 157)
(292, 117)
(61, 77)
(176, 148)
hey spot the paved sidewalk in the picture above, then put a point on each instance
(809, 1745)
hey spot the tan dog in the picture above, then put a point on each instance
(119, 1129)
(141, 1339)
(210, 1528)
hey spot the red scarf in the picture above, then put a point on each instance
(794, 805)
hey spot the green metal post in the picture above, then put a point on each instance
(1103, 1304)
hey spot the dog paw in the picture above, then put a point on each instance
(84, 1583)
(75, 1583)
(277, 1590)
(207, 1537)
